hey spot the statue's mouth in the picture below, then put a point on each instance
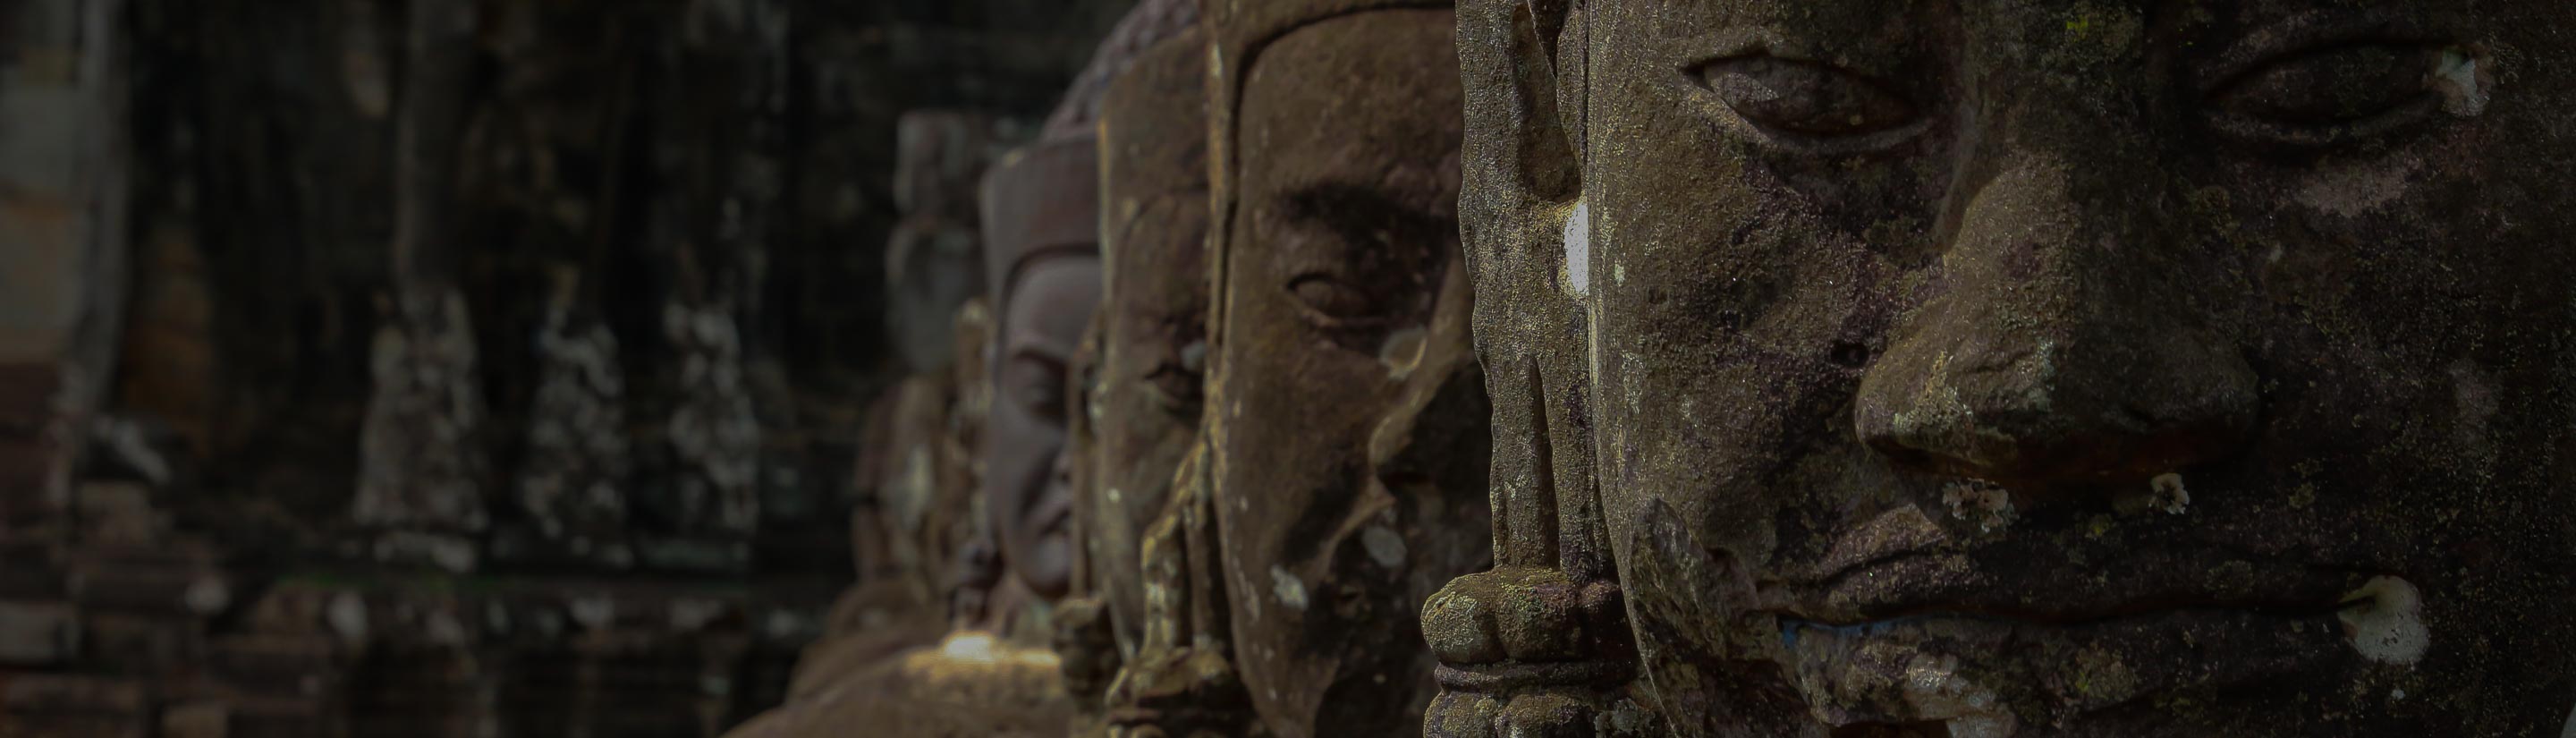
(1993, 585)
(1978, 653)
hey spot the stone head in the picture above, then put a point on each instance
(1041, 210)
(1147, 385)
(1346, 422)
(2099, 368)
(934, 259)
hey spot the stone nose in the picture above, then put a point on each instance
(2066, 344)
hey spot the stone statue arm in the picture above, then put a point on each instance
(1540, 645)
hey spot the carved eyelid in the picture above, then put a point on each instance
(1037, 361)
(1326, 319)
(1691, 57)
(2307, 33)
(1698, 51)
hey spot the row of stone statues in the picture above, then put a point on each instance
(1829, 368)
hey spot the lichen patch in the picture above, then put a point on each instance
(1987, 504)
(2169, 494)
(1290, 590)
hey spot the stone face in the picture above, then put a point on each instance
(934, 260)
(2163, 344)
(1042, 256)
(1143, 398)
(63, 167)
(1348, 438)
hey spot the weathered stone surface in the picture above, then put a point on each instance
(38, 633)
(74, 706)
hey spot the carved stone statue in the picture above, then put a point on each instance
(1348, 442)
(934, 259)
(1146, 389)
(1042, 222)
(2008, 369)
(1148, 529)
(1042, 255)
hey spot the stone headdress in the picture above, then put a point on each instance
(1238, 31)
(1044, 198)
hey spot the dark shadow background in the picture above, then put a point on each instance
(229, 227)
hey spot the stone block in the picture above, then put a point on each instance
(303, 666)
(172, 587)
(38, 633)
(74, 706)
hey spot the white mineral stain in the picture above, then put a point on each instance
(1291, 591)
(1384, 546)
(595, 613)
(2384, 620)
(969, 647)
(2170, 495)
(348, 617)
(1578, 250)
(2457, 80)
(208, 596)
(2570, 730)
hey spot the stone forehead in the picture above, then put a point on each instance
(1041, 200)
(938, 154)
(1154, 132)
(1154, 142)
(1150, 23)
(1237, 31)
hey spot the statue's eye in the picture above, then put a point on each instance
(2337, 94)
(1037, 385)
(1176, 389)
(1338, 301)
(1804, 98)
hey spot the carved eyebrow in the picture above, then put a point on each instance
(1044, 356)
(1360, 214)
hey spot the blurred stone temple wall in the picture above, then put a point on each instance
(456, 367)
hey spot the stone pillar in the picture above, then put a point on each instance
(422, 469)
(62, 240)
